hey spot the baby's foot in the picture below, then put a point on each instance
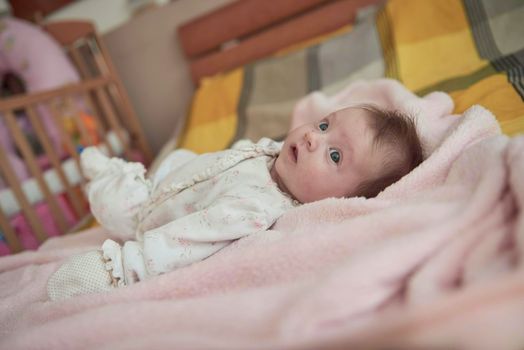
(82, 274)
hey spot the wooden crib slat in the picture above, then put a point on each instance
(71, 149)
(79, 122)
(99, 125)
(22, 101)
(98, 57)
(104, 100)
(31, 162)
(119, 105)
(27, 208)
(10, 235)
(80, 63)
(107, 109)
(86, 136)
(112, 90)
(78, 202)
(112, 119)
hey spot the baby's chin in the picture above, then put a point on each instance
(310, 197)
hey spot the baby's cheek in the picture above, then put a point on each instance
(312, 186)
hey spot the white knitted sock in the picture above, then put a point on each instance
(82, 274)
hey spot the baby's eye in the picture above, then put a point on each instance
(335, 155)
(323, 125)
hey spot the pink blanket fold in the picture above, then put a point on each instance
(434, 261)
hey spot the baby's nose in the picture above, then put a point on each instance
(311, 140)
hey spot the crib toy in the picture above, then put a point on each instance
(71, 98)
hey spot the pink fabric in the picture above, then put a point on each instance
(435, 261)
(24, 231)
(32, 53)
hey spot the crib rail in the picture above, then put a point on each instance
(106, 118)
(96, 110)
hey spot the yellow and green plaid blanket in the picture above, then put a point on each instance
(472, 49)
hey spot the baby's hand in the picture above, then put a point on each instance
(82, 274)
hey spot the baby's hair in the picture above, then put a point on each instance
(397, 132)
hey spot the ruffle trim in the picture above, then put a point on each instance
(113, 262)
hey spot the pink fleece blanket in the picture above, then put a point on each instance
(434, 260)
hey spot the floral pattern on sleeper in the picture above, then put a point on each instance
(191, 212)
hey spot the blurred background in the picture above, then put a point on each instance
(151, 66)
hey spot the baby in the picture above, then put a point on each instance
(195, 205)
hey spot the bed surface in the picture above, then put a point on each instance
(435, 261)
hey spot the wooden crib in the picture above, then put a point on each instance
(113, 126)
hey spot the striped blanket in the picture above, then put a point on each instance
(471, 49)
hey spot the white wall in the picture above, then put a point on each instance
(153, 68)
(106, 14)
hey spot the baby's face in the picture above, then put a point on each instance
(328, 158)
